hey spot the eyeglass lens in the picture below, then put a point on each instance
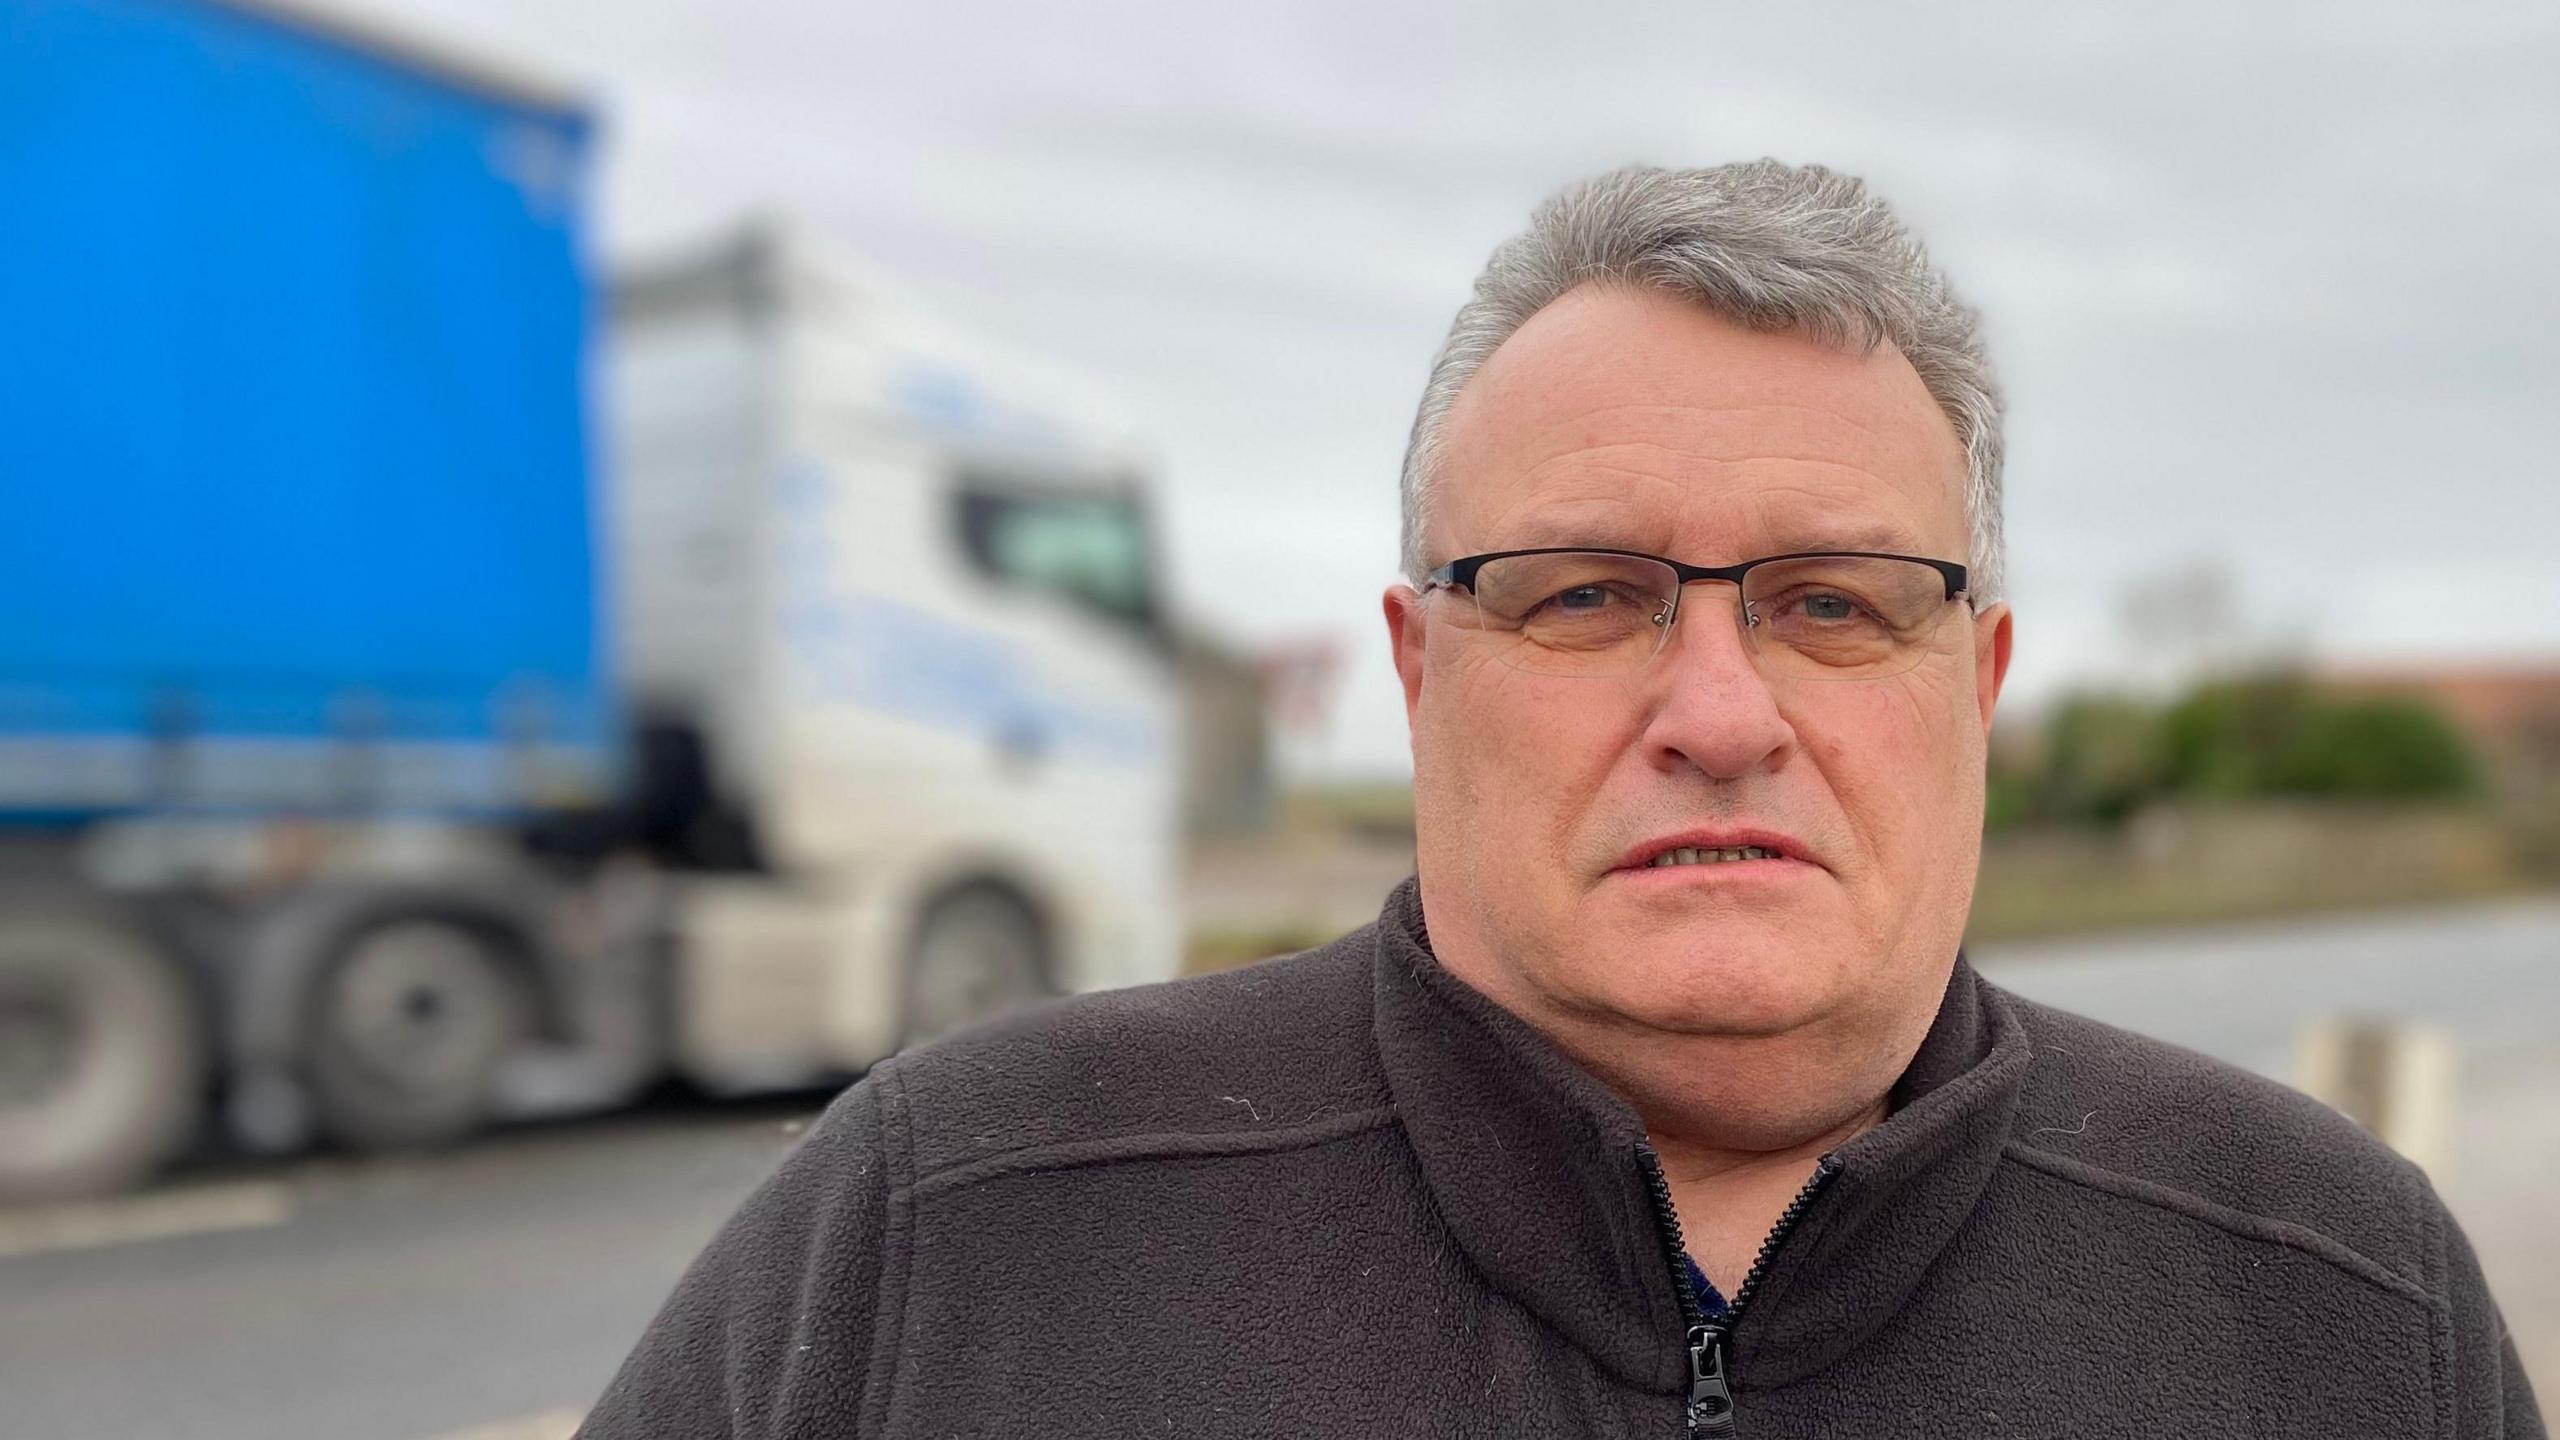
(1821, 617)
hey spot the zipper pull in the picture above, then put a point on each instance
(1710, 1398)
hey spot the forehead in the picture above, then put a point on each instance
(1628, 417)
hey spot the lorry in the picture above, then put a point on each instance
(436, 687)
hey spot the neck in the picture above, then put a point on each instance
(1728, 1199)
(1738, 1121)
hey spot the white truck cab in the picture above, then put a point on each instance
(892, 591)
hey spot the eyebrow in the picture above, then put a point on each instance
(1860, 537)
(1538, 535)
(1543, 534)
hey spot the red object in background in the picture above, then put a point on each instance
(1299, 681)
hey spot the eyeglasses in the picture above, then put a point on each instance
(1815, 615)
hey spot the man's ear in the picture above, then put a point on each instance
(1991, 642)
(1405, 631)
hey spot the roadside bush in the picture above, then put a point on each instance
(2382, 749)
(2270, 736)
(2228, 740)
(2103, 760)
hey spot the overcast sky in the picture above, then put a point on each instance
(2273, 288)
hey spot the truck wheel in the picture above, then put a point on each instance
(102, 1056)
(978, 953)
(409, 1023)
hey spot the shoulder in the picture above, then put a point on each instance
(1276, 1050)
(2158, 1124)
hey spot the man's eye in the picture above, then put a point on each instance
(1829, 607)
(1583, 597)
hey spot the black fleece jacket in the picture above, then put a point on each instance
(1344, 1194)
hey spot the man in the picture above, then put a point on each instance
(1661, 1101)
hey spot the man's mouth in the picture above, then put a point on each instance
(1692, 856)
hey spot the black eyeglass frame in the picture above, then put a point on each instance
(1461, 574)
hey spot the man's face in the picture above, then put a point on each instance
(1629, 419)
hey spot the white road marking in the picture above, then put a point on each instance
(549, 1425)
(153, 1215)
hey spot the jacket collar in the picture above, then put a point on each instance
(1533, 1165)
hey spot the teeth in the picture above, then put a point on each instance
(1689, 855)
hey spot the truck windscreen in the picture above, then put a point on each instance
(1088, 547)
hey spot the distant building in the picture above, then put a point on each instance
(1226, 763)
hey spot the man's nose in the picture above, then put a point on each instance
(1713, 710)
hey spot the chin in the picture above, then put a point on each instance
(1754, 977)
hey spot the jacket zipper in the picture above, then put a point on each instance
(1710, 1387)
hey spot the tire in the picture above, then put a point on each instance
(977, 954)
(409, 1022)
(102, 1055)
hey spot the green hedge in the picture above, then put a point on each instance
(2104, 757)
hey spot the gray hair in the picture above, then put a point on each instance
(1764, 244)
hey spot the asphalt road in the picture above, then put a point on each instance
(383, 1298)
(489, 1292)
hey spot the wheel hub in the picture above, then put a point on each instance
(398, 1002)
